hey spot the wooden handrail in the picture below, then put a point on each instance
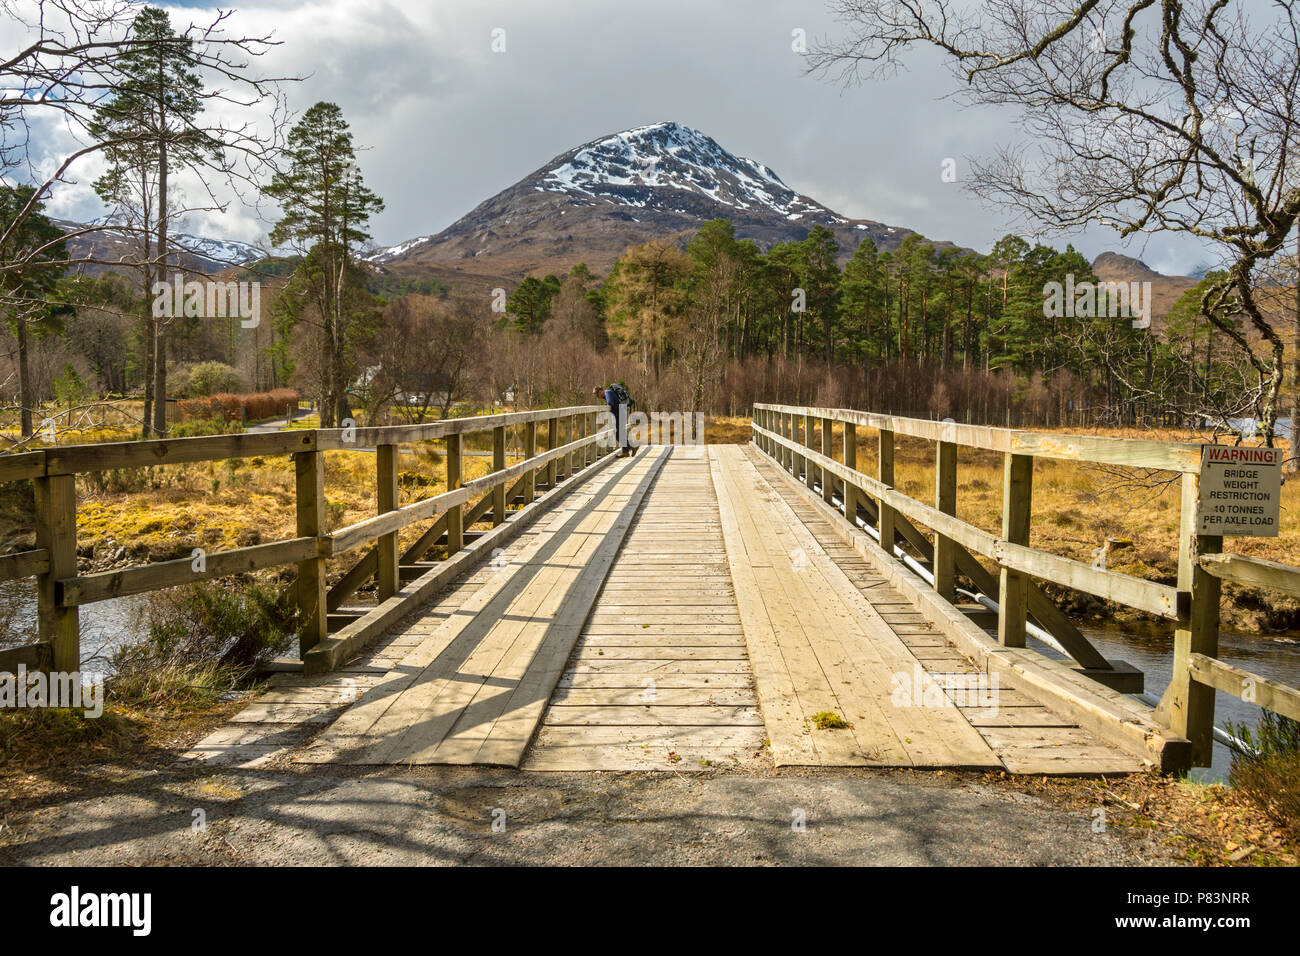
(1149, 596)
(1134, 452)
(1253, 572)
(1188, 705)
(61, 591)
(105, 456)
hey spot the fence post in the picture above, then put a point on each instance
(792, 433)
(56, 532)
(1188, 705)
(851, 461)
(571, 459)
(456, 514)
(828, 449)
(530, 451)
(551, 429)
(808, 468)
(885, 472)
(589, 429)
(309, 480)
(945, 499)
(386, 457)
(499, 464)
(1013, 586)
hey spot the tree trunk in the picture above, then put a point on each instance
(160, 329)
(24, 378)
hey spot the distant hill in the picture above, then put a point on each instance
(194, 253)
(1165, 290)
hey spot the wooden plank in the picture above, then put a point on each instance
(24, 564)
(79, 459)
(1253, 572)
(1138, 453)
(105, 585)
(1261, 691)
(35, 657)
(20, 465)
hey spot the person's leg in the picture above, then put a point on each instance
(627, 440)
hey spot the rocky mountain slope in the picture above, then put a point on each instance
(591, 203)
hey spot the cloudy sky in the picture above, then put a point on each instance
(446, 122)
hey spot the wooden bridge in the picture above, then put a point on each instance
(691, 606)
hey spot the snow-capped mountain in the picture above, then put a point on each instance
(116, 244)
(591, 203)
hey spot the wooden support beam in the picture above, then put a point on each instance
(945, 500)
(309, 479)
(455, 515)
(499, 464)
(1188, 705)
(386, 459)
(1017, 505)
(56, 533)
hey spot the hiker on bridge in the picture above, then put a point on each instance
(617, 398)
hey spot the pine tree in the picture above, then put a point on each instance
(325, 208)
(25, 295)
(149, 119)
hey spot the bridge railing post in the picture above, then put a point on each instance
(552, 435)
(828, 449)
(456, 514)
(309, 482)
(809, 469)
(530, 451)
(945, 500)
(386, 459)
(498, 466)
(56, 532)
(571, 459)
(885, 523)
(1013, 586)
(851, 461)
(1188, 705)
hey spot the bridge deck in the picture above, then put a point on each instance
(677, 611)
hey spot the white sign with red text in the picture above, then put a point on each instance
(1240, 491)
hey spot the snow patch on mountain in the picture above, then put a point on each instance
(635, 167)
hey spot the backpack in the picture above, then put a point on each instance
(621, 394)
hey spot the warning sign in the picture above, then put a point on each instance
(1240, 491)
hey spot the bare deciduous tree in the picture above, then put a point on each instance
(1145, 116)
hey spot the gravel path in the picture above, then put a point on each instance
(323, 816)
